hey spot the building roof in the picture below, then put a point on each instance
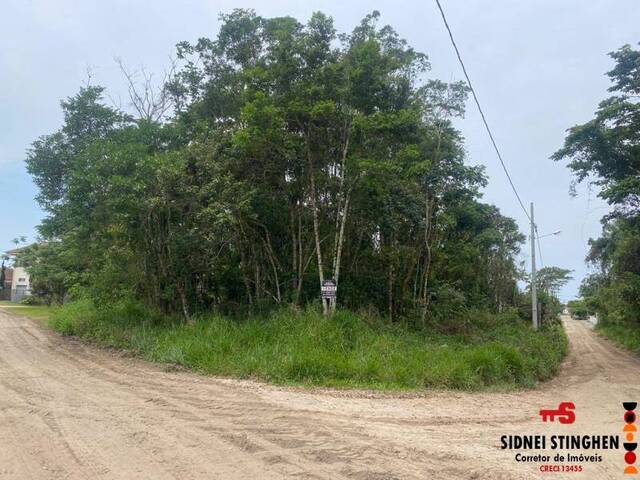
(13, 252)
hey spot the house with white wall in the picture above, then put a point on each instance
(20, 286)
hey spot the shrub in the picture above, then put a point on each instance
(344, 350)
(32, 300)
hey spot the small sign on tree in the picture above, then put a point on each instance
(329, 289)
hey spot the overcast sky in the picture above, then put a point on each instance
(538, 68)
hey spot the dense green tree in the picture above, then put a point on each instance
(606, 152)
(51, 270)
(552, 279)
(294, 155)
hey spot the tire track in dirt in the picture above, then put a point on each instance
(76, 411)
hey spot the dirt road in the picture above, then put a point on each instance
(72, 411)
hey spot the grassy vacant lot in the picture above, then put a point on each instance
(627, 336)
(345, 350)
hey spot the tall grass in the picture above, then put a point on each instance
(38, 312)
(625, 334)
(345, 350)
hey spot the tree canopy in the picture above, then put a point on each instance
(294, 154)
(606, 152)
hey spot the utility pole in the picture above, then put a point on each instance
(534, 294)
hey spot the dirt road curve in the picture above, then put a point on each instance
(71, 411)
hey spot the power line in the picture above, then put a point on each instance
(539, 247)
(484, 120)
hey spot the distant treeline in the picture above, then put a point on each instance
(276, 156)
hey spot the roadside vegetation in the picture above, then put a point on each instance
(579, 309)
(343, 350)
(606, 153)
(198, 226)
(39, 312)
(625, 335)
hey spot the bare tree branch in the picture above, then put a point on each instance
(151, 102)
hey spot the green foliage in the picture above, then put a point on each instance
(549, 307)
(606, 151)
(614, 291)
(551, 279)
(32, 300)
(37, 312)
(343, 350)
(294, 154)
(51, 271)
(579, 309)
(625, 335)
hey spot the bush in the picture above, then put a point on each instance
(32, 300)
(626, 335)
(578, 309)
(345, 350)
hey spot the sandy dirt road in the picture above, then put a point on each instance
(73, 411)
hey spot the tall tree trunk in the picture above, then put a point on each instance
(301, 269)
(273, 260)
(426, 270)
(342, 211)
(340, 242)
(316, 229)
(245, 277)
(429, 210)
(391, 278)
(294, 239)
(390, 293)
(183, 302)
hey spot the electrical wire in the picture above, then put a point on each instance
(477, 102)
(539, 247)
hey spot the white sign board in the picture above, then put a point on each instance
(329, 289)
